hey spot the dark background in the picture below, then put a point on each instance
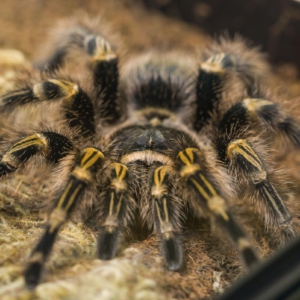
(272, 24)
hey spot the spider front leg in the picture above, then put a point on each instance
(117, 206)
(193, 171)
(167, 217)
(237, 153)
(77, 106)
(84, 173)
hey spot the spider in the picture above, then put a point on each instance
(155, 139)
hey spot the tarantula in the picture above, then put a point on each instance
(158, 137)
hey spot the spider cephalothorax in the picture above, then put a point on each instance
(165, 133)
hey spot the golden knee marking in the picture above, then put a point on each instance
(34, 140)
(119, 182)
(118, 185)
(45, 143)
(254, 105)
(159, 188)
(160, 175)
(103, 50)
(213, 64)
(90, 157)
(241, 147)
(243, 243)
(215, 203)
(187, 171)
(157, 191)
(218, 206)
(187, 155)
(11, 161)
(121, 170)
(67, 89)
(212, 68)
(82, 174)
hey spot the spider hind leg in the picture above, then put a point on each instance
(91, 41)
(51, 145)
(193, 172)
(76, 104)
(238, 154)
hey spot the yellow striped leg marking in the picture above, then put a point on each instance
(119, 182)
(242, 148)
(187, 158)
(159, 191)
(112, 219)
(215, 202)
(166, 227)
(213, 64)
(57, 219)
(67, 89)
(32, 140)
(90, 156)
(103, 50)
(119, 186)
(79, 178)
(254, 105)
(159, 187)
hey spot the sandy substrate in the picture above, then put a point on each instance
(73, 271)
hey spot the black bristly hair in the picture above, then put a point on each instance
(146, 149)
